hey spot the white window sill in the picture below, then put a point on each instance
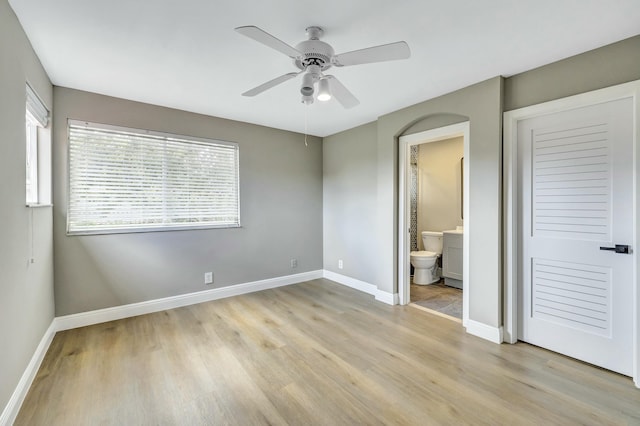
(35, 206)
(137, 230)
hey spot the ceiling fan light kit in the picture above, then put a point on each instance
(313, 57)
(324, 92)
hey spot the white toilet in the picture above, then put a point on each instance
(425, 263)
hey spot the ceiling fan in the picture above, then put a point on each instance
(313, 57)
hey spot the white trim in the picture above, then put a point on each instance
(510, 215)
(125, 311)
(362, 286)
(435, 135)
(37, 206)
(12, 408)
(404, 209)
(365, 287)
(466, 220)
(492, 334)
(405, 142)
(388, 298)
(510, 195)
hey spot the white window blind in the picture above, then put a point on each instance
(129, 180)
(36, 108)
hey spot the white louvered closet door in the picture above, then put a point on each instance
(576, 170)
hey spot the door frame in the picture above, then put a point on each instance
(404, 156)
(511, 191)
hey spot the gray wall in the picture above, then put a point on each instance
(281, 214)
(349, 203)
(607, 66)
(282, 198)
(481, 104)
(371, 232)
(26, 290)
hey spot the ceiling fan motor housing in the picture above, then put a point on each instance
(314, 52)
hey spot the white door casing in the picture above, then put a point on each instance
(405, 142)
(570, 165)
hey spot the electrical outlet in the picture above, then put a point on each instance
(294, 263)
(340, 264)
(208, 277)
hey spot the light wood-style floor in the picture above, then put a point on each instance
(307, 354)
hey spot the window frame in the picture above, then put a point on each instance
(160, 227)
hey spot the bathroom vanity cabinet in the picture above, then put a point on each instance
(452, 258)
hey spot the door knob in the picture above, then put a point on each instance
(619, 248)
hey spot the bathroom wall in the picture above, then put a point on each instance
(439, 185)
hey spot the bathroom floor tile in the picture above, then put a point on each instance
(438, 297)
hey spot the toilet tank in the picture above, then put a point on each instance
(432, 241)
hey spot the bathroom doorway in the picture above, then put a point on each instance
(436, 296)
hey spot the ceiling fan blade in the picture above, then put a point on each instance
(382, 53)
(269, 84)
(267, 39)
(341, 93)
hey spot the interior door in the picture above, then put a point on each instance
(576, 204)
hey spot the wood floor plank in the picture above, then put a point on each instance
(314, 353)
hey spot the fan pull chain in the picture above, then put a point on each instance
(306, 110)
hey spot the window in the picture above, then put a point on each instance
(129, 180)
(32, 159)
(38, 168)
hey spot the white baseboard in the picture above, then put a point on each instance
(12, 408)
(365, 287)
(134, 309)
(388, 298)
(492, 334)
(351, 282)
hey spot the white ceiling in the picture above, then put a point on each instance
(186, 55)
